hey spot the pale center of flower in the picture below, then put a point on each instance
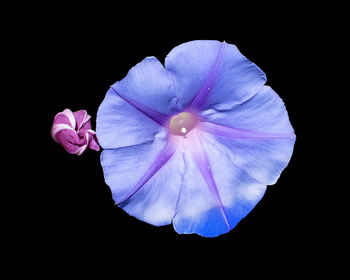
(182, 123)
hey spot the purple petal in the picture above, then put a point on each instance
(56, 128)
(93, 145)
(62, 120)
(69, 141)
(81, 118)
(73, 131)
(85, 126)
(68, 114)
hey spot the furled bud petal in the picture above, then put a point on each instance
(73, 131)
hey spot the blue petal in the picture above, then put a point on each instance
(261, 159)
(264, 159)
(120, 124)
(236, 78)
(156, 200)
(263, 112)
(198, 210)
(150, 85)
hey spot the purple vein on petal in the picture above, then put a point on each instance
(163, 157)
(202, 162)
(203, 93)
(159, 118)
(231, 132)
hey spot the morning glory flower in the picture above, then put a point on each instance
(73, 131)
(194, 142)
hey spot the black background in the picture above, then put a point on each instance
(70, 58)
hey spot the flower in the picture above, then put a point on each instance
(193, 143)
(73, 131)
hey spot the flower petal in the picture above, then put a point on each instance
(145, 179)
(57, 127)
(120, 124)
(81, 118)
(235, 133)
(236, 78)
(150, 85)
(262, 159)
(93, 145)
(199, 210)
(264, 112)
(62, 120)
(70, 141)
(73, 131)
(69, 115)
(257, 132)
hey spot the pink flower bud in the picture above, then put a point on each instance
(73, 131)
